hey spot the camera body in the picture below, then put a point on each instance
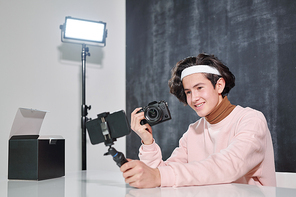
(155, 113)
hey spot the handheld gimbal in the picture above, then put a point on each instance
(118, 157)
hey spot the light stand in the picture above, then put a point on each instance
(84, 32)
(84, 107)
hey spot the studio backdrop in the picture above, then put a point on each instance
(255, 39)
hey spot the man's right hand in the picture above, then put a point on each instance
(143, 131)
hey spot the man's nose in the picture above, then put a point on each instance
(195, 96)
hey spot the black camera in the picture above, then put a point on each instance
(155, 112)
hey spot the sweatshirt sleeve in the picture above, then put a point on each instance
(245, 152)
(151, 154)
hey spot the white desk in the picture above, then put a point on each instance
(111, 184)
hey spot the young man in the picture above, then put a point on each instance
(228, 144)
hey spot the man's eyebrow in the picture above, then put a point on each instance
(198, 84)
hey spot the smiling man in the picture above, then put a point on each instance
(228, 144)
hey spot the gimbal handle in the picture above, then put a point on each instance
(118, 157)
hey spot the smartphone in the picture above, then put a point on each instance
(117, 123)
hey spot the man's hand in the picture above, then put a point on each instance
(143, 131)
(139, 175)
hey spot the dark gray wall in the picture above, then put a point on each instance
(255, 39)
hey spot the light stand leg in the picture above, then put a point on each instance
(84, 107)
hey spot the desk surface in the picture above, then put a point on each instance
(111, 183)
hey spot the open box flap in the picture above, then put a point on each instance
(27, 122)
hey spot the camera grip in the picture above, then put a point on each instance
(144, 121)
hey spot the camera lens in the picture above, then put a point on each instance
(152, 113)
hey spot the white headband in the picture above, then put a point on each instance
(199, 69)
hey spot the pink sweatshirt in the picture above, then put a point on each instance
(236, 150)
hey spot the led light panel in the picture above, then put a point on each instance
(84, 31)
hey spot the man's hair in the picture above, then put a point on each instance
(176, 85)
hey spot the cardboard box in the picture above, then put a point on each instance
(30, 156)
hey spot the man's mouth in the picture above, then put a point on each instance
(199, 105)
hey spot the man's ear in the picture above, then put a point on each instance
(220, 85)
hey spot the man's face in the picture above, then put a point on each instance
(200, 93)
